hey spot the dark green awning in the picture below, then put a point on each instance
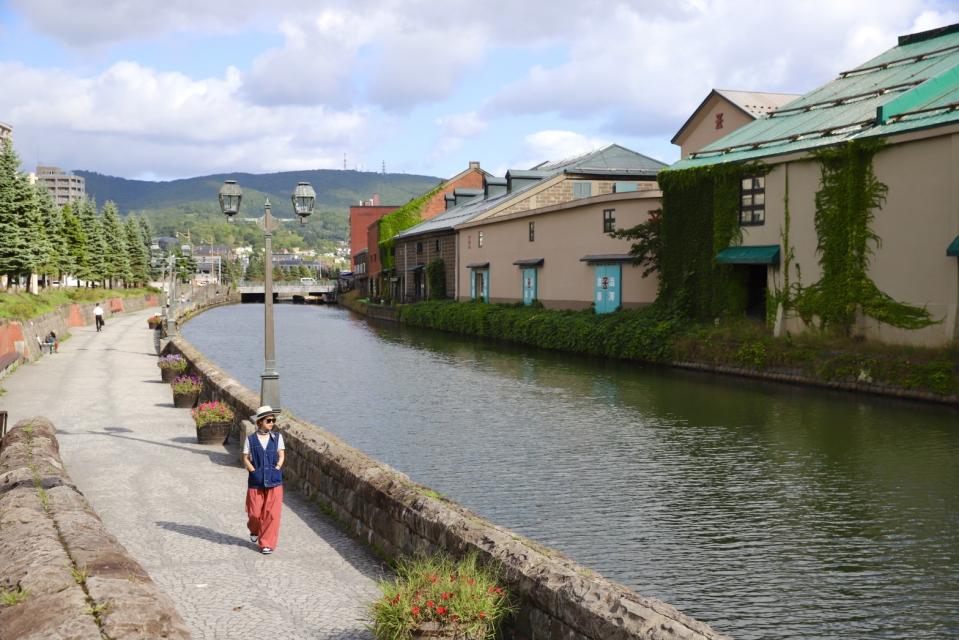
(766, 254)
(953, 249)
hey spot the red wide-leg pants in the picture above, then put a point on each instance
(263, 506)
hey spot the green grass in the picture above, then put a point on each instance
(12, 597)
(655, 334)
(22, 306)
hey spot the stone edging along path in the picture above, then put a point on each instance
(70, 577)
(398, 517)
(889, 391)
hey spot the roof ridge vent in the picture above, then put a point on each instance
(912, 38)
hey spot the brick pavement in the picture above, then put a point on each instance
(177, 506)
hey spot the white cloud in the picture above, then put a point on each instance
(454, 130)
(355, 75)
(132, 119)
(644, 74)
(94, 23)
(554, 144)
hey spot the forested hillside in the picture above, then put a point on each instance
(190, 205)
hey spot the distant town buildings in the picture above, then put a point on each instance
(64, 187)
(6, 131)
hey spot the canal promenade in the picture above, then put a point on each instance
(177, 506)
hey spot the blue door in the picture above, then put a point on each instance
(606, 291)
(479, 285)
(529, 286)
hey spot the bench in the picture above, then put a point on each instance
(8, 360)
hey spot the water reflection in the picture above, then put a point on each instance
(764, 510)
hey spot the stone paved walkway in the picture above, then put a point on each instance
(177, 506)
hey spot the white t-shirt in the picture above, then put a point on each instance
(264, 441)
(98, 310)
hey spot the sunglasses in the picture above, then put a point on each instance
(270, 420)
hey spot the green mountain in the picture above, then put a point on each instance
(190, 205)
(335, 190)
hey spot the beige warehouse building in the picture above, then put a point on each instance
(561, 255)
(908, 97)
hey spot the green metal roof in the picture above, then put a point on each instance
(914, 85)
(953, 249)
(765, 254)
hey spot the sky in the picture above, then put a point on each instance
(166, 89)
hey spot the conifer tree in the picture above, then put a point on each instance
(96, 242)
(116, 260)
(77, 262)
(146, 236)
(138, 253)
(13, 248)
(49, 251)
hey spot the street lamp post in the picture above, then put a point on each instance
(303, 199)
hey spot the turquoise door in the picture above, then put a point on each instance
(606, 291)
(529, 286)
(479, 285)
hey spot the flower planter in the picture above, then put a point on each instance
(436, 631)
(153, 322)
(214, 432)
(185, 400)
(167, 374)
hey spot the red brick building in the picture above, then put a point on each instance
(471, 178)
(390, 284)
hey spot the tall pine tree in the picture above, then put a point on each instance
(77, 262)
(116, 260)
(48, 253)
(13, 243)
(138, 254)
(95, 269)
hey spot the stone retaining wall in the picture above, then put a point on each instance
(71, 577)
(559, 599)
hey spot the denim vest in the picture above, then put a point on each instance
(265, 474)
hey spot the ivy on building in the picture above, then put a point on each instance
(849, 194)
(701, 218)
(399, 220)
(436, 279)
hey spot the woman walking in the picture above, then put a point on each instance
(263, 457)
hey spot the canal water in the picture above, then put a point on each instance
(766, 511)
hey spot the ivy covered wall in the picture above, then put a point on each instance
(700, 219)
(399, 220)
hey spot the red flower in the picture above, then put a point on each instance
(482, 614)
(430, 604)
(446, 595)
(441, 610)
(395, 599)
(471, 581)
(454, 617)
(434, 578)
(416, 611)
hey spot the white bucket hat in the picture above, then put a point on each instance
(262, 412)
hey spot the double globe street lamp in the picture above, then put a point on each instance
(303, 198)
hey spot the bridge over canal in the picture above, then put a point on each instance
(320, 291)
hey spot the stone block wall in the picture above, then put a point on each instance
(558, 599)
(71, 577)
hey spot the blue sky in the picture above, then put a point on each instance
(171, 89)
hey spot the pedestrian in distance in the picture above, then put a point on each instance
(263, 457)
(98, 316)
(52, 343)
